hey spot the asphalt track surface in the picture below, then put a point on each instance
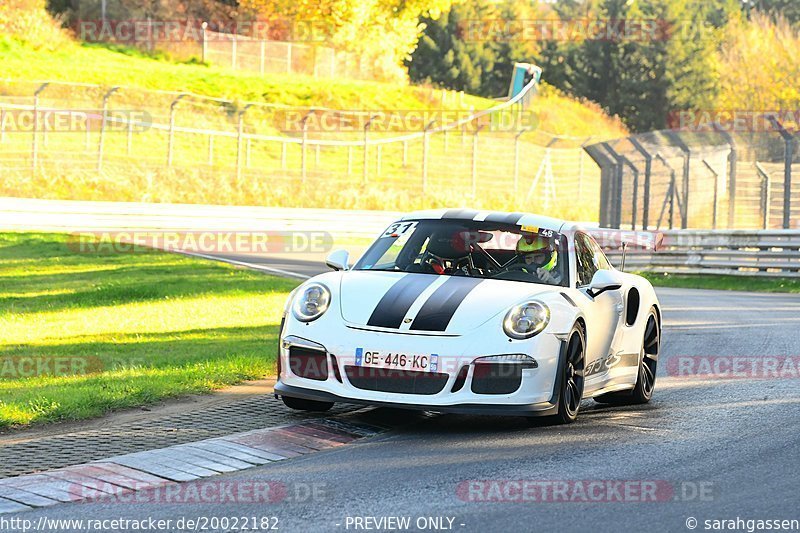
(727, 449)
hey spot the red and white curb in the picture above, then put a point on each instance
(122, 474)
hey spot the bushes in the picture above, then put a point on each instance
(28, 20)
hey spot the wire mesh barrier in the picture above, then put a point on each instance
(250, 47)
(240, 52)
(713, 179)
(81, 141)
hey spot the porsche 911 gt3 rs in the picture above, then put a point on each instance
(472, 312)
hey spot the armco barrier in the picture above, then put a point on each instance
(738, 252)
(767, 253)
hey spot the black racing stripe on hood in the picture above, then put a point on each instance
(439, 309)
(394, 305)
(504, 218)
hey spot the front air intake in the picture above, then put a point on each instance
(399, 381)
(307, 363)
(496, 378)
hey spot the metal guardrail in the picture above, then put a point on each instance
(764, 253)
(767, 253)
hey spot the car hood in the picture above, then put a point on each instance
(426, 303)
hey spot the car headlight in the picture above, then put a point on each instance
(526, 320)
(311, 302)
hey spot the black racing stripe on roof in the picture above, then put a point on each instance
(439, 309)
(394, 305)
(505, 218)
(461, 214)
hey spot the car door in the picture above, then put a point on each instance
(603, 312)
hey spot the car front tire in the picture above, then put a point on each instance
(648, 363)
(572, 379)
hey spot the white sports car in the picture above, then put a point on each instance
(472, 312)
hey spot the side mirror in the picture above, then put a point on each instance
(338, 260)
(604, 280)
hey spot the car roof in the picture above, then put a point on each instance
(517, 218)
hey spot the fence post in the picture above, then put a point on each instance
(516, 158)
(475, 160)
(103, 128)
(581, 159)
(239, 144)
(616, 198)
(366, 139)
(607, 165)
(716, 194)
(788, 157)
(203, 27)
(766, 193)
(304, 123)
(687, 154)
(315, 58)
(35, 145)
(425, 135)
(732, 162)
(129, 139)
(648, 169)
(171, 140)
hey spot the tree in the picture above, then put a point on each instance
(384, 32)
(787, 9)
(470, 47)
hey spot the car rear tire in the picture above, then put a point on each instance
(648, 363)
(572, 379)
(301, 404)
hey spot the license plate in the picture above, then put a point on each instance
(397, 360)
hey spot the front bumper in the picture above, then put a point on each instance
(459, 388)
(540, 409)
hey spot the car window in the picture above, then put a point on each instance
(480, 249)
(585, 260)
(600, 259)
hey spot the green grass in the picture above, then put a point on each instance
(135, 169)
(725, 283)
(146, 326)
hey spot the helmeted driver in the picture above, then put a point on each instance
(539, 256)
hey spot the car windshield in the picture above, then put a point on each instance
(470, 248)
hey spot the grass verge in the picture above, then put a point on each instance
(83, 334)
(725, 283)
